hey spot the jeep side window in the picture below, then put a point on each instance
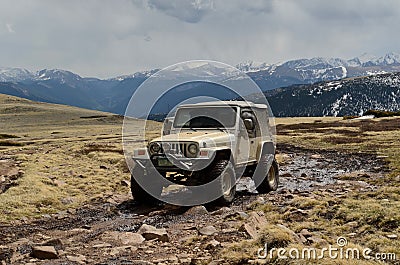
(249, 121)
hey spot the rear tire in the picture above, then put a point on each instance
(138, 193)
(271, 181)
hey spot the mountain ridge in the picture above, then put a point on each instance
(113, 94)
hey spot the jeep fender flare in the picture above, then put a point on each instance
(264, 148)
(265, 160)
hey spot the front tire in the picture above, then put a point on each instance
(271, 181)
(225, 172)
(139, 194)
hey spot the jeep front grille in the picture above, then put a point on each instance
(176, 148)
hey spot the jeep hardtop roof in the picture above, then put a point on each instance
(242, 104)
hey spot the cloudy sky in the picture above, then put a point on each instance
(107, 38)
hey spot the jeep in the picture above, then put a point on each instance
(206, 140)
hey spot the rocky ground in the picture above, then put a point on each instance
(64, 194)
(113, 229)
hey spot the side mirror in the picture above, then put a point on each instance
(249, 124)
(167, 126)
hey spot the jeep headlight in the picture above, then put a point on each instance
(154, 148)
(193, 149)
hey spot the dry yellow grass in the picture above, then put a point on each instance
(69, 156)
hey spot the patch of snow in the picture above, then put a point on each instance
(376, 72)
(344, 70)
(366, 117)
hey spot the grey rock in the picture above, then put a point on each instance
(150, 232)
(213, 244)
(304, 232)
(208, 230)
(102, 245)
(77, 259)
(44, 252)
(56, 243)
(124, 238)
(235, 215)
(254, 223)
(197, 210)
(129, 238)
(223, 210)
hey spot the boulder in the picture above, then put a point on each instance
(254, 223)
(150, 232)
(208, 230)
(44, 252)
(56, 243)
(124, 238)
(197, 210)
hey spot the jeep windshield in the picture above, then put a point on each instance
(205, 117)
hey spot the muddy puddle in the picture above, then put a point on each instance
(305, 170)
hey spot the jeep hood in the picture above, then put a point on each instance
(208, 137)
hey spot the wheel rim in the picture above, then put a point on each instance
(271, 177)
(226, 183)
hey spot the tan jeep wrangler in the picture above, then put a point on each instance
(204, 141)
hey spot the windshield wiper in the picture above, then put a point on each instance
(193, 129)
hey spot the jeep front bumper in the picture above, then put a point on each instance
(173, 162)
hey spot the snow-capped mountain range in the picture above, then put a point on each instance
(308, 70)
(365, 60)
(65, 87)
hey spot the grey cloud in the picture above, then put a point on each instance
(350, 10)
(191, 11)
(254, 6)
(108, 38)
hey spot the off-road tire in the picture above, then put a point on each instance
(138, 193)
(271, 180)
(225, 169)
